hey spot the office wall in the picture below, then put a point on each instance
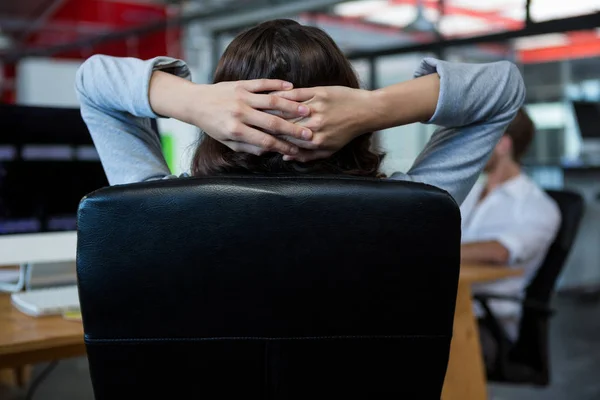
(47, 82)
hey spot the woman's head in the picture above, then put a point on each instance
(305, 56)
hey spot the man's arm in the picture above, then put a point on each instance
(535, 228)
(488, 252)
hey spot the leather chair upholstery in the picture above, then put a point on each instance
(268, 288)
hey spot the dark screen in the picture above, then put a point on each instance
(588, 118)
(47, 164)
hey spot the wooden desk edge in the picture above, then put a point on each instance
(470, 273)
(66, 341)
(36, 356)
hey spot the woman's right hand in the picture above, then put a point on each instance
(233, 112)
(339, 114)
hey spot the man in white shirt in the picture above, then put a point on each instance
(507, 220)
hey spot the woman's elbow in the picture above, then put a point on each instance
(514, 88)
(84, 72)
(80, 80)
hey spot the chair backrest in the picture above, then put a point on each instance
(571, 207)
(268, 288)
(529, 355)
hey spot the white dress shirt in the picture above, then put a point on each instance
(525, 220)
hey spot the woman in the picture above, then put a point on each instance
(329, 117)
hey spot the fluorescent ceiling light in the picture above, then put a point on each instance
(395, 15)
(359, 8)
(541, 41)
(458, 25)
(516, 13)
(543, 10)
(400, 16)
(487, 5)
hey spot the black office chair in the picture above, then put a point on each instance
(268, 288)
(527, 360)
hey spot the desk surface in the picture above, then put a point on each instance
(484, 273)
(20, 333)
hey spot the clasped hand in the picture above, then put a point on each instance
(269, 115)
(302, 124)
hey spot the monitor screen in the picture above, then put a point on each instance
(48, 163)
(588, 119)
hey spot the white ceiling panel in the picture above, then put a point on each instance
(395, 15)
(516, 13)
(360, 8)
(487, 5)
(459, 25)
(543, 10)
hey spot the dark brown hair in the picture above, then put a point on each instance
(521, 131)
(305, 56)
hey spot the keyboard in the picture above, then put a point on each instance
(51, 301)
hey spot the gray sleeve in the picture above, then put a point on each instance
(475, 105)
(115, 107)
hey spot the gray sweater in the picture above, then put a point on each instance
(476, 103)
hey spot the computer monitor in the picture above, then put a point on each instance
(47, 164)
(587, 115)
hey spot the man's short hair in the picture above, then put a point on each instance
(521, 131)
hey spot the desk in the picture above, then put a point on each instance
(465, 377)
(27, 340)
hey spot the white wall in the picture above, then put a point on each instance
(47, 82)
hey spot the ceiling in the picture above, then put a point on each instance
(63, 22)
(355, 25)
(464, 17)
(410, 21)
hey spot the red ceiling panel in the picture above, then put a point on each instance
(100, 17)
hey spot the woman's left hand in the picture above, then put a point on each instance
(338, 114)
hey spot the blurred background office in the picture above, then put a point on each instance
(555, 44)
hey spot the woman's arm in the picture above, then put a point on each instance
(339, 114)
(115, 104)
(476, 103)
(232, 113)
(472, 102)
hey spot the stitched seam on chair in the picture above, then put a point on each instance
(249, 338)
(273, 177)
(325, 178)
